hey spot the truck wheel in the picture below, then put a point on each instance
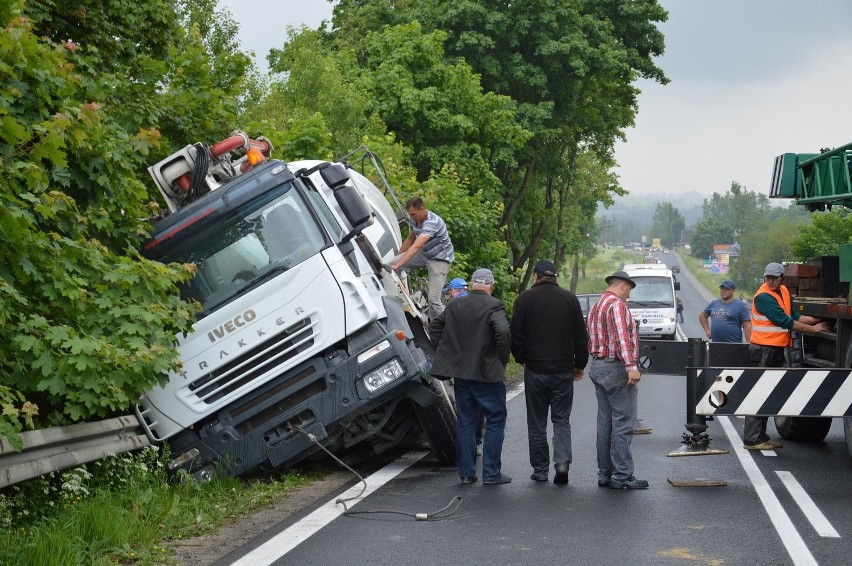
(803, 428)
(439, 423)
(438, 419)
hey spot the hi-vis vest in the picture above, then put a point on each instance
(763, 330)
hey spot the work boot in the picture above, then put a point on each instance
(561, 477)
(629, 483)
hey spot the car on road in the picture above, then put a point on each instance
(586, 302)
(675, 268)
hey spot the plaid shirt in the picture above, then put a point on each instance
(612, 331)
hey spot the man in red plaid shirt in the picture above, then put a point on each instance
(614, 349)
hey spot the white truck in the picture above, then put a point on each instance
(303, 338)
(652, 302)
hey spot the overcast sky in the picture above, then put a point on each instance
(750, 79)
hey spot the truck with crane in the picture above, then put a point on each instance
(816, 386)
(303, 340)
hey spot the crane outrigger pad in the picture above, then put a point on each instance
(697, 482)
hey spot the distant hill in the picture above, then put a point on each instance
(637, 207)
(632, 214)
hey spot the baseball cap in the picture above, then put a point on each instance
(457, 283)
(623, 276)
(727, 284)
(546, 268)
(773, 269)
(482, 276)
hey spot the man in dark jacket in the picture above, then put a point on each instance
(471, 339)
(549, 339)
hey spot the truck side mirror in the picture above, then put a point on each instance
(350, 201)
(677, 285)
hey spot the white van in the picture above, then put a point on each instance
(652, 302)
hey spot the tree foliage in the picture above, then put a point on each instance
(824, 236)
(668, 224)
(768, 241)
(568, 67)
(708, 232)
(90, 94)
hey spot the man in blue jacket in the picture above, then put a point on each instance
(471, 339)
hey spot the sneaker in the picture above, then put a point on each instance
(536, 476)
(768, 445)
(498, 480)
(469, 479)
(629, 483)
(604, 482)
(561, 477)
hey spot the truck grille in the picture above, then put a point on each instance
(254, 363)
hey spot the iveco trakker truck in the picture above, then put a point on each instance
(302, 337)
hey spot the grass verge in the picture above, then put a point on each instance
(120, 511)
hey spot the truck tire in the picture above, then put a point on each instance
(438, 419)
(439, 423)
(803, 428)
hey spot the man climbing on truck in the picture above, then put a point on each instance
(427, 245)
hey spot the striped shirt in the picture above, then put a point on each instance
(439, 246)
(613, 332)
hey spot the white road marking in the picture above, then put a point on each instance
(793, 542)
(294, 535)
(807, 505)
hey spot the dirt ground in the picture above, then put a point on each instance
(207, 549)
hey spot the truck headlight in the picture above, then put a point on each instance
(383, 375)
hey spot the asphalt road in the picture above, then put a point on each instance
(790, 506)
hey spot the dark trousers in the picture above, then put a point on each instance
(553, 392)
(471, 398)
(754, 428)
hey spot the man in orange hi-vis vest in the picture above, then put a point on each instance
(772, 319)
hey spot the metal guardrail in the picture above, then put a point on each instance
(53, 449)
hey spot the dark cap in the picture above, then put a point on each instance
(482, 276)
(545, 268)
(457, 283)
(727, 284)
(623, 276)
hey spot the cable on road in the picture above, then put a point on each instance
(438, 515)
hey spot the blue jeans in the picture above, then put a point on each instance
(616, 414)
(543, 392)
(471, 396)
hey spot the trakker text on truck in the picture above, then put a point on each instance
(302, 338)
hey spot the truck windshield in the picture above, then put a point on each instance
(242, 250)
(652, 291)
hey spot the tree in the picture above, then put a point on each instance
(93, 91)
(739, 209)
(668, 224)
(824, 236)
(569, 67)
(767, 242)
(708, 232)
